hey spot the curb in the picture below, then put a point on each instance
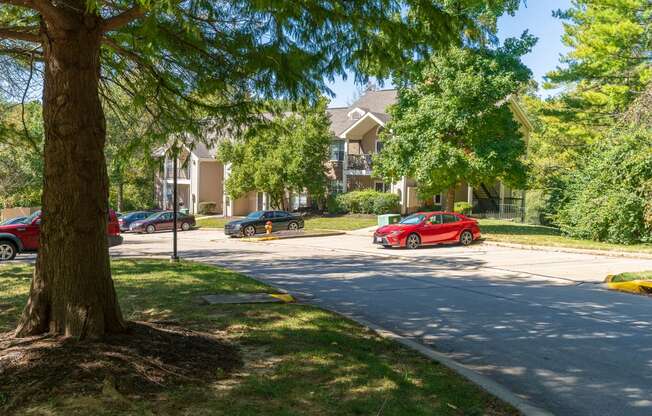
(638, 287)
(289, 237)
(497, 390)
(609, 253)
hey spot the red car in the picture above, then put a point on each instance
(426, 228)
(24, 237)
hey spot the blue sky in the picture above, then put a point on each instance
(535, 16)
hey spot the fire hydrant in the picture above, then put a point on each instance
(268, 227)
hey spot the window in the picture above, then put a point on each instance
(299, 201)
(337, 150)
(336, 187)
(438, 199)
(435, 219)
(281, 214)
(382, 187)
(379, 146)
(448, 218)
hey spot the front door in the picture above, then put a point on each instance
(431, 230)
(29, 234)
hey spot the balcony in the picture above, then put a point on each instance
(182, 173)
(359, 165)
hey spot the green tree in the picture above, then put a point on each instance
(607, 67)
(285, 154)
(179, 60)
(609, 197)
(21, 164)
(453, 121)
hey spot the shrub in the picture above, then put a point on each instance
(606, 199)
(333, 205)
(207, 208)
(462, 208)
(368, 202)
(386, 203)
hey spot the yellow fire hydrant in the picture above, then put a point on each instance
(268, 227)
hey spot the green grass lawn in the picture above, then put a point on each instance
(213, 222)
(341, 222)
(338, 223)
(514, 232)
(629, 276)
(298, 360)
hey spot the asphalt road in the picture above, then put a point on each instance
(537, 322)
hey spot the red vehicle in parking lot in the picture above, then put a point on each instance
(24, 237)
(425, 228)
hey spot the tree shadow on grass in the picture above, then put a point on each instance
(519, 229)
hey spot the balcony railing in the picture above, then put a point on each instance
(359, 164)
(182, 173)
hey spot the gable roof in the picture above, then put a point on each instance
(371, 102)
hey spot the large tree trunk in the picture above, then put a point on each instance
(72, 292)
(450, 199)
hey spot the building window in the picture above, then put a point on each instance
(383, 187)
(336, 187)
(337, 150)
(379, 146)
(299, 201)
(438, 199)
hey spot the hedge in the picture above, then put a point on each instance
(367, 202)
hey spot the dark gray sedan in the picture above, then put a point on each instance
(254, 223)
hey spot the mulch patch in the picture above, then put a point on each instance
(145, 360)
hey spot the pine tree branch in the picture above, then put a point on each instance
(20, 3)
(51, 13)
(122, 19)
(19, 34)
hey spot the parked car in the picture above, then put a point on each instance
(15, 220)
(24, 237)
(254, 223)
(127, 219)
(162, 221)
(425, 228)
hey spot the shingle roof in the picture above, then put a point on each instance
(339, 119)
(376, 101)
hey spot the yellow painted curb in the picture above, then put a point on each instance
(256, 239)
(632, 286)
(284, 297)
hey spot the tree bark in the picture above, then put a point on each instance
(450, 199)
(72, 293)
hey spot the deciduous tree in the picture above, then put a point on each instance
(453, 121)
(286, 154)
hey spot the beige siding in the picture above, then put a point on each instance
(245, 204)
(211, 183)
(369, 141)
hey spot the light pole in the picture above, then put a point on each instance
(175, 208)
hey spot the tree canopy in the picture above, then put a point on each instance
(453, 121)
(285, 154)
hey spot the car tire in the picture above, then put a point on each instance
(185, 226)
(249, 231)
(293, 226)
(466, 238)
(413, 241)
(8, 250)
(150, 229)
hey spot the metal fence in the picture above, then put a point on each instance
(501, 211)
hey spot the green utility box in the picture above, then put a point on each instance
(388, 219)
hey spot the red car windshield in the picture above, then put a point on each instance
(413, 219)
